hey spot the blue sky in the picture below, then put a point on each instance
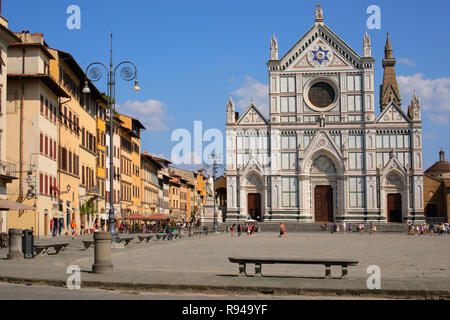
(192, 55)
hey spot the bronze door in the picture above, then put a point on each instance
(395, 208)
(254, 206)
(323, 203)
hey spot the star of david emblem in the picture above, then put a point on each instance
(320, 55)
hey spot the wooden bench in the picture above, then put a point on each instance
(146, 237)
(161, 236)
(242, 261)
(88, 244)
(42, 249)
(127, 240)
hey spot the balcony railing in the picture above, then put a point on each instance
(9, 169)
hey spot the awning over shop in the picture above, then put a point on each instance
(11, 205)
(157, 217)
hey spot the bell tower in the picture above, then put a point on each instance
(389, 89)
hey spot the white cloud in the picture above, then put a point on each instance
(434, 95)
(151, 113)
(406, 61)
(253, 89)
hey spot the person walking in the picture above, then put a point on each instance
(232, 230)
(282, 230)
(344, 227)
(239, 230)
(73, 227)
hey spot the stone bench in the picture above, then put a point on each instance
(88, 244)
(43, 249)
(160, 236)
(243, 261)
(146, 237)
(126, 240)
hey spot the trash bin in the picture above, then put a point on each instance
(28, 244)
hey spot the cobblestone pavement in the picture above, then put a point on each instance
(407, 263)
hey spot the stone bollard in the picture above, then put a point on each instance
(15, 245)
(102, 253)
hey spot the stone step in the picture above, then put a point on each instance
(317, 227)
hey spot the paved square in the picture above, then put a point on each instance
(407, 263)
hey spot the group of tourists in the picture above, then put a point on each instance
(249, 228)
(424, 229)
(344, 228)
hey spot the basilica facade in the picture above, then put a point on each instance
(327, 152)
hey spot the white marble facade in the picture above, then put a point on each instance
(323, 135)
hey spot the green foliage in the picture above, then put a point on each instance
(88, 209)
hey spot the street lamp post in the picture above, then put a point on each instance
(128, 72)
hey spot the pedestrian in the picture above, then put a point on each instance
(96, 225)
(232, 230)
(51, 227)
(349, 227)
(73, 227)
(344, 227)
(239, 230)
(333, 228)
(60, 224)
(282, 230)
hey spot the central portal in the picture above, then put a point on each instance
(323, 203)
(254, 206)
(395, 208)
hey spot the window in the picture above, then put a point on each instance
(46, 145)
(41, 183)
(41, 143)
(70, 162)
(83, 180)
(51, 148)
(46, 108)
(289, 192)
(356, 192)
(42, 105)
